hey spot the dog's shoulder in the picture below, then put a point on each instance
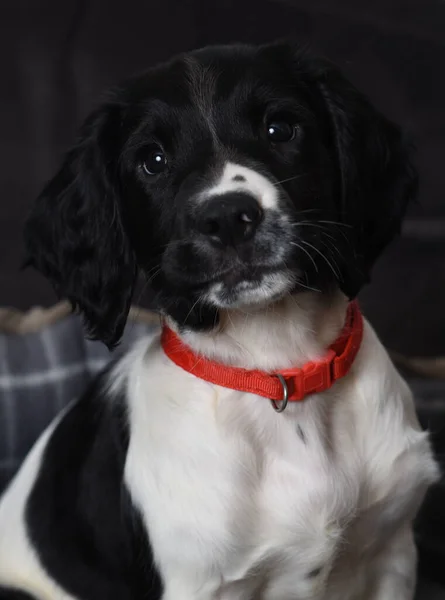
(71, 505)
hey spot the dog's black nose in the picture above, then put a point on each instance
(230, 219)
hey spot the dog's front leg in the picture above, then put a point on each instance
(396, 568)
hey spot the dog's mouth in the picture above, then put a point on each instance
(244, 287)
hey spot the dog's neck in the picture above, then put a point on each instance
(286, 334)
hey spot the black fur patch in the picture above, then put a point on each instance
(79, 516)
(6, 594)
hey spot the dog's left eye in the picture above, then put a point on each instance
(155, 162)
(280, 131)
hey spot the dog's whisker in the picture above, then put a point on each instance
(151, 278)
(192, 308)
(324, 230)
(337, 223)
(309, 210)
(307, 287)
(299, 176)
(146, 283)
(331, 246)
(307, 254)
(317, 225)
(337, 275)
(215, 319)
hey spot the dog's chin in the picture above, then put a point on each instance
(259, 291)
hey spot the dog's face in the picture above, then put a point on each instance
(225, 172)
(230, 176)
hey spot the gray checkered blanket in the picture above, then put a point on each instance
(40, 373)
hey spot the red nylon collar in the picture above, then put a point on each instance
(295, 384)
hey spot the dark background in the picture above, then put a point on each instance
(57, 56)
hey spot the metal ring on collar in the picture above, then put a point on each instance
(279, 407)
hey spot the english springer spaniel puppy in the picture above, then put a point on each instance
(263, 447)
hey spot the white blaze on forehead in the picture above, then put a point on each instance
(237, 178)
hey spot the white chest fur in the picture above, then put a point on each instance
(241, 502)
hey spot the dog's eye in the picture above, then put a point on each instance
(155, 162)
(280, 131)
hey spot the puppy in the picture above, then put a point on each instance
(265, 448)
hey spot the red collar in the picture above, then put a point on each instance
(291, 385)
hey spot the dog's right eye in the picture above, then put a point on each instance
(279, 131)
(155, 162)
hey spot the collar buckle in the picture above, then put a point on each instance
(314, 377)
(319, 376)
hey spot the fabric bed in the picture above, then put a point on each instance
(45, 367)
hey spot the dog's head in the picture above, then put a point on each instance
(228, 177)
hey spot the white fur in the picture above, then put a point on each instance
(255, 184)
(251, 293)
(243, 503)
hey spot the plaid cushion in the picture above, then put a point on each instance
(40, 373)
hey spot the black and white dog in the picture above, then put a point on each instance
(254, 188)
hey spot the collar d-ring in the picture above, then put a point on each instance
(280, 406)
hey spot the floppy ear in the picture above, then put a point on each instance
(74, 234)
(376, 177)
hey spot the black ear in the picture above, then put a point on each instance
(74, 234)
(376, 177)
